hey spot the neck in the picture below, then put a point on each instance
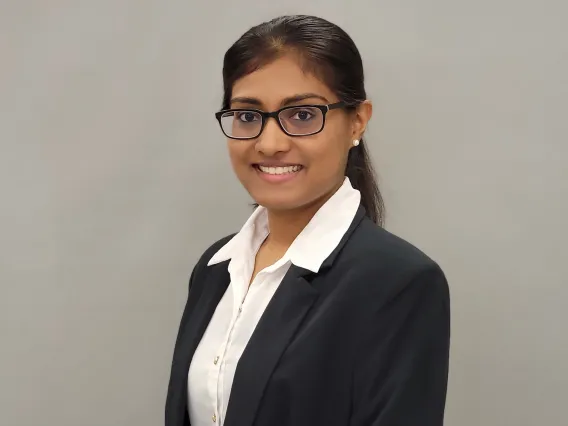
(286, 225)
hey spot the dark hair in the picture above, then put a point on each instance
(326, 51)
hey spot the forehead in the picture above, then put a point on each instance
(278, 80)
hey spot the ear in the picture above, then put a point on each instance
(361, 117)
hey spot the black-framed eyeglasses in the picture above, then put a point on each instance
(300, 120)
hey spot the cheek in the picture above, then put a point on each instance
(236, 154)
(239, 156)
(330, 157)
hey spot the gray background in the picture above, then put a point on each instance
(114, 178)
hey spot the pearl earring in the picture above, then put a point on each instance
(356, 142)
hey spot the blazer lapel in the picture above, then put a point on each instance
(215, 284)
(277, 326)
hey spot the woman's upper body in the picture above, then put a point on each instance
(312, 314)
(363, 341)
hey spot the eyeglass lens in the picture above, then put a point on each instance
(297, 121)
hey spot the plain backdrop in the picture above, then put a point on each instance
(114, 178)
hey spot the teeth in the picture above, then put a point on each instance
(279, 170)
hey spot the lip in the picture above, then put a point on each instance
(285, 177)
(275, 164)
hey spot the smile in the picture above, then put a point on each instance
(278, 174)
(279, 170)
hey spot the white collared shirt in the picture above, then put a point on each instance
(214, 363)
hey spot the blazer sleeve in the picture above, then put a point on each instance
(401, 369)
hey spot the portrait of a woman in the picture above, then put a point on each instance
(312, 313)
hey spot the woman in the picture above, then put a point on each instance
(312, 314)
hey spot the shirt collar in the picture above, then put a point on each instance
(244, 238)
(316, 241)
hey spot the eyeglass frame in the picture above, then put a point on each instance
(275, 114)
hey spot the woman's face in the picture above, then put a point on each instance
(283, 172)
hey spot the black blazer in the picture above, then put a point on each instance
(364, 342)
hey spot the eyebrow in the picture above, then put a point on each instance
(286, 101)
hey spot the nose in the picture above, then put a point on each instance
(272, 140)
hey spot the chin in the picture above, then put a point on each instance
(286, 199)
(276, 203)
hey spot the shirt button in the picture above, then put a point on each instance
(214, 418)
(216, 360)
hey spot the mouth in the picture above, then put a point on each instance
(278, 173)
(281, 170)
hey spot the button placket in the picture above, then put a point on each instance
(218, 362)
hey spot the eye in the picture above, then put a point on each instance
(247, 116)
(303, 115)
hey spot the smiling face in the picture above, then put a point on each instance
(283, 172)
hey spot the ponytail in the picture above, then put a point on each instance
(361, 173)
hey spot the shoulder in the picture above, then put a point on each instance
(384, 263)
(373, 246)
